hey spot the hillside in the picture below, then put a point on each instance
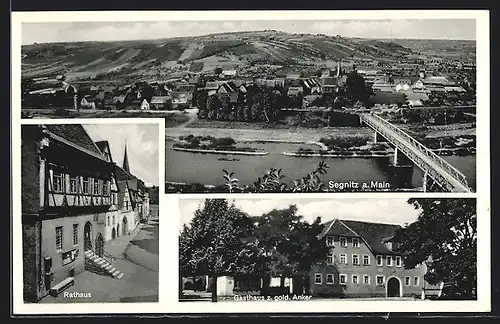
(84, 60)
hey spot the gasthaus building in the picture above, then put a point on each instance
(361, 263)
(68, 193)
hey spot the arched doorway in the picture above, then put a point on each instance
(87, 236)
(113, 233)
(125, 226)
(99, 245)
(117, 230)
(393, 287)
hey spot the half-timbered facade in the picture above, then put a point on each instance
(127, 215)
(67, 186)
(109, 225)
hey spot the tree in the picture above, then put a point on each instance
(225, 109)
(217, 70)
(201, 102)
(290, 243)
(357, 89)
(444, 237)
(219, 241)
(213, 106)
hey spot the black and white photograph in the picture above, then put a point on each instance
(302, 161)
(267, 106)
(90, 212)
(305, 249)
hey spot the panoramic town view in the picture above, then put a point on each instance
(299, 108)
(311, 249)
(90, 212)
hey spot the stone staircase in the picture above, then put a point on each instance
(96, 264)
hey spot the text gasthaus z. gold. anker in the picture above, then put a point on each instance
(271, 298)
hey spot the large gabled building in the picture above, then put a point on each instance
(67, 194)
(361, 262)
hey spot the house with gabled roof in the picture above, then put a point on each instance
(230, 90)
(140, 193)
(110, 225)
(67, 193)
(361, 262)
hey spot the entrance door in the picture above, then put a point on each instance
(99, 245)
(393, 287)
(113, 233)
(124, 226)
(117, 230)
(87, 236)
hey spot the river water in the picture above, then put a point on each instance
(203, 168)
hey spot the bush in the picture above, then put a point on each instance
(224, 141)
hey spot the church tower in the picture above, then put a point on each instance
(126, 167)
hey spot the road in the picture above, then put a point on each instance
(137, 257)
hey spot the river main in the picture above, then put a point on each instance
(187, 167)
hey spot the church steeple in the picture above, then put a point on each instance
(126, 167)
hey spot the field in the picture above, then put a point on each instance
(88, 60)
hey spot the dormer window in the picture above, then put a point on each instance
(329, 241)
(343, 241)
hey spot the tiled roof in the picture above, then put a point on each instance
(311, 83)
(133, 182)
(416, 96)
(75, 134)
(329, 81)
(373, 234)
(102, 145)
(122, 175)
(160, 99)
(212, 85)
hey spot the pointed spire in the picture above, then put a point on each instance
(126, 167)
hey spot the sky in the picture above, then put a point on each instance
(387, 211)
(142, 147)
(462, 29)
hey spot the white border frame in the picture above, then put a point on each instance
(168, 302)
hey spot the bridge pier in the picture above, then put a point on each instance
(401, 170)
(377, 138)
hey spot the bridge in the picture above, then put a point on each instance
(447, 177)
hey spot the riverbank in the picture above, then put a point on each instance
(340, 154)
(284, 135)
(220, 151)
